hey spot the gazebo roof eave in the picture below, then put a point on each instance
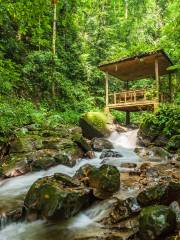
(138, 67)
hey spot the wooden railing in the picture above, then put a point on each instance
(131, 96)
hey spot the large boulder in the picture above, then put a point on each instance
(160, 194)
(104, 180)
(57, 197)
(156, 221)
(96, 124)
(100, 144)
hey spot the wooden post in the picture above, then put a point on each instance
(170, 88)
(106, 89)
(157, 78)
(128, 118)
(127, 113)
(114, 98)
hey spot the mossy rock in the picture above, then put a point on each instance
(160, 194)
(43, 163)
(100, 144)
(174, 143)
(27, 143)
(156, 221)
(104, 180)
(57, 197)
(96, 124)
(15, 163)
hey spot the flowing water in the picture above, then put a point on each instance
(13, 190)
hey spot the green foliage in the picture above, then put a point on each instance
(166, 120)
(9, 77)
(59, 88)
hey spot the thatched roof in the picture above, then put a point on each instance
(138, 67)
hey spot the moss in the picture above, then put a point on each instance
(98, 119)
(27, 143)
(156, 221)
(105, 179)
(56, 197)
(96, 124)
(12, 160)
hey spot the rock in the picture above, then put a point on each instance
(160, 194)
(57, 197)
(128, 165)
(122, 209)
(144, 166)
(15, 164)
(175, 207)
(174, 143)
(156, 221)
(100, 144)
(90, 154)
(110, 154)
(104, 180)
(152, 172)
(161, 140)
(158, 152)
(65, 147)
(96, 124)
(27, 143)
(84, 171)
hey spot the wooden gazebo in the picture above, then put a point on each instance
(147, 65)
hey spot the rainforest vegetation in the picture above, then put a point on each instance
(36, 84)
(69, 168)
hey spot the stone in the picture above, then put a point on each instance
(174, 143)
(122, 209)
(110, 154)
(128, 165)
(163, 193)
(156, 221)
(84, 171)
(15, 164)
(96, 124)
(100, 144)
(27, 143)
(104, 180)
(158, 152)
(175, 207)
(57, 197)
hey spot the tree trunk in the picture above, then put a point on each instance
(54, 29)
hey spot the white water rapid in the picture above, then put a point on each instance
(13, 190)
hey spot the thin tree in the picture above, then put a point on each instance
(54, 3)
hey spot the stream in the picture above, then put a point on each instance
(13, 191)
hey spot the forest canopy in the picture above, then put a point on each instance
(37, 84)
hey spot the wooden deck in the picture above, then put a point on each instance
(132, 101)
